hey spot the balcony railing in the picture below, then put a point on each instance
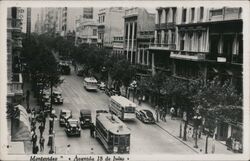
(162, 46)
(14, 24)
(189, 55)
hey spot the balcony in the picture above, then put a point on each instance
(15, 87)
(168, 25)
(14, 24)
(225, 14)
(189, 55)
(162, 46)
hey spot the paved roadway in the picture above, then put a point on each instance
(145, 139)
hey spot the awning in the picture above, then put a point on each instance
(21, 126)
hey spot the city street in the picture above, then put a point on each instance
(145, 139)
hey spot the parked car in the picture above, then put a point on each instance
(72, 127)
(102, 86)
(85, 118)
(112, 92)
(57, 97)
(101, 111)
(64, 116)
(145, 116)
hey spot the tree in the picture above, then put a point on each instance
(216, 101)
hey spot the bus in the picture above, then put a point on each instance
(122, 107)
(90, 83)
(112, 133)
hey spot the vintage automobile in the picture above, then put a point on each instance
(85, 118)
(64, 116)
(72, 127)
(145, 116)
(57, 97)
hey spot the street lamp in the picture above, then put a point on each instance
(197, 122)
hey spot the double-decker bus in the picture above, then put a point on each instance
(90, 83)
(113, 133)
(122, 107)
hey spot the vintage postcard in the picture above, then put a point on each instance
(124, 80)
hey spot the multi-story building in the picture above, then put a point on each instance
(14, 46)
(88, 13)
(197, 42)
(165, 38)
(86, 31)
(139, 34)
(139, 24)
(58, 20)
(28, 26)
(110, 24)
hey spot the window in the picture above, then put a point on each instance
(103, 18)
(192, 14)
(201, 12)
(94, 32)
(182, 42)
(184, 15)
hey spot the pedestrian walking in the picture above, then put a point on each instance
(164, 116)
(41, 129)
(51, 124)
(28, 98)
(172, 111)
(41, 142)
(34, 139)
(35, 149)
(139, 100)
(92, 130)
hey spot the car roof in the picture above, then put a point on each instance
(84, 111)
(71, 120)
(65, 110)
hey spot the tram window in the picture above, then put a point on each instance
(116, 140)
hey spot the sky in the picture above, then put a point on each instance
(36, 11)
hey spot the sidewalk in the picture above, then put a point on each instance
(33, 104)
(172, 127)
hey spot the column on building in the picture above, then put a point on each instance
(128, 40)
(153, 64)
(143, 55)
(147, 57)
(156, 38)
(132, 45)
(138, 56)
(162, 37)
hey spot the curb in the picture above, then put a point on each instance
(196, 151)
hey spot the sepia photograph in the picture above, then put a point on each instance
(89, 82)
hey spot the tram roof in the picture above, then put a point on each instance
(90, 79)
(113, 124)
(123, 101)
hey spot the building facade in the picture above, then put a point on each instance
(197, 43)
(28, 26)
(14, 46)
(139, 25)
(86, 31)
(110, 24)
